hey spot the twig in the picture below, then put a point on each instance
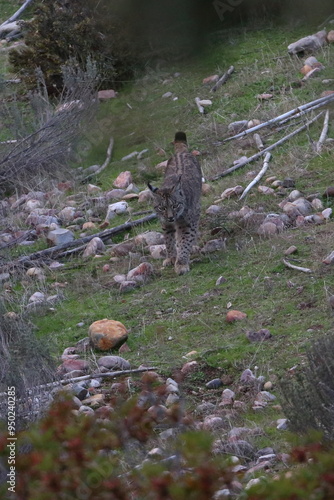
(258, 142)
(87, 377)
(54, 251)
(199, 106)
(264, 151)
(223, 79)
(296, 268)
(289, 114)
(259, 175)
(17, 13)
(323, 134)
(310, 74)
(105, 164)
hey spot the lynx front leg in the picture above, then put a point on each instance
(185, 238)
(169, 235)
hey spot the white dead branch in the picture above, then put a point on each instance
(258, 177)
(199, 106)
(104, 165)
(294, 113)
(296, 268)
(223, 79)
(91, 376)
(323, 134)
(258, 142)
(266, 150)
(17, 14)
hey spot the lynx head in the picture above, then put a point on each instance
(169, 203)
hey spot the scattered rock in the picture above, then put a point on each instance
(104, 95)
(118, 208)
(141, 274)
(107, 334)
(235, 315)
(114, 363)
(59, 237)
(210, 79)
(259, 336)
(234, 191)
(292, 249)
(94, 247)
(123, 180)
(149, 238)
(214, 245)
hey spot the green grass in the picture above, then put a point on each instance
(171, 315)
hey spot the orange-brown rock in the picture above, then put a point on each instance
(306, 69)
(234, 315)
(330, 36)
(107, 334)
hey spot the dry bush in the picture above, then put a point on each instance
(25, 364)
(308, 397)
(45, 133)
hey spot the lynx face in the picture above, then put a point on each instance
(169, 204)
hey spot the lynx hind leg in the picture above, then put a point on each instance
(169, 236)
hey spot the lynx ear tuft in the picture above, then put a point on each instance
(153, 189)
(180, 137)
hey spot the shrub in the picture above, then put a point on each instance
(308, 396)
(47, 135)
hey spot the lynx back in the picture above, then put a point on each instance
(177, 204)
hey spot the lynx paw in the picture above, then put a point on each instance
(182, 268)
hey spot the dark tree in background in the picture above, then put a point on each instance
(121, 36)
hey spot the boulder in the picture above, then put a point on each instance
(107, 334)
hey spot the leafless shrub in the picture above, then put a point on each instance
(44, 134)
(308, 397)
(25, 363)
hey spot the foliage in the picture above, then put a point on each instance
(78, 456)
(308, 396)
(61, 31)
(312, 479)
(25, 363)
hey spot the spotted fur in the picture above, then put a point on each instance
(177, 204)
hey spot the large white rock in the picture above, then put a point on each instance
(118, 208)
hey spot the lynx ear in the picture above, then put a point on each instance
(153, 189)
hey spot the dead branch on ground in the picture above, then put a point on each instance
(266, 150)
(323, 134)
(77, 245)
(258, 177)
(223, 79)
(294, 113)
(296, 268)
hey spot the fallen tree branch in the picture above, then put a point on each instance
(296, 268)
(105, 164)
(199, 106)
(258, 177)
(223, 79)
(87, 377)
(17, 14)
(56, 250)
(323, 134)
(264, 151)
(294, 113)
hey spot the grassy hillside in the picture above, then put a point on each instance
(173, 315)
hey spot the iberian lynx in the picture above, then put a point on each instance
(177, 204)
